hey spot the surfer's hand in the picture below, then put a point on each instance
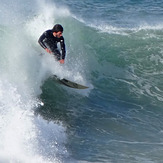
(61, 61)
(48, 50)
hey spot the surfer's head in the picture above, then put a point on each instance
(57, 30)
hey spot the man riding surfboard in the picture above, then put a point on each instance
(49, 39)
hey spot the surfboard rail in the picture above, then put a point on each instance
(69, 83)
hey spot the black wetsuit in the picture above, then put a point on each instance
(48, 40)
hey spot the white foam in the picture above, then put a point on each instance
(107, 28)
(46, 16)
(24, 137)
(125, 30)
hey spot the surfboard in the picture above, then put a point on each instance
(68, 83)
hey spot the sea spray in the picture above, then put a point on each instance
(23, 134)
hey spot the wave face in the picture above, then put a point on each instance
(115, 48)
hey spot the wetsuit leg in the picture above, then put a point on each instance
(57, 54)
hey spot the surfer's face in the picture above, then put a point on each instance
(57, 34)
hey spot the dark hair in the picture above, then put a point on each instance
(57, 28)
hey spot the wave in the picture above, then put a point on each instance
(123, 64)
(130, 55)
(23, 71)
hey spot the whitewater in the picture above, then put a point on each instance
(23, 135)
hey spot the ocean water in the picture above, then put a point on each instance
(115, 48)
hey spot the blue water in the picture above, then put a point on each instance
(115, 48)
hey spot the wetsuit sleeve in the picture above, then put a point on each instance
(63, 48)
(42, 39)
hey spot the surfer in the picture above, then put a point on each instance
(49, 39)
